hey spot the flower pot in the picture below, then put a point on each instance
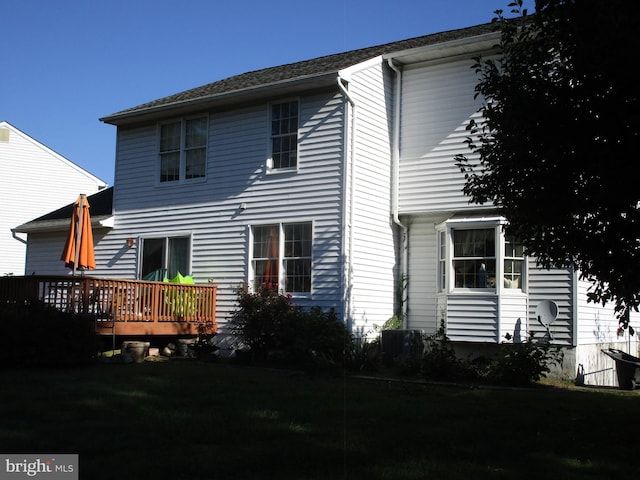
(134, 351)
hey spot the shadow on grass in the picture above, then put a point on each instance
(196, 420)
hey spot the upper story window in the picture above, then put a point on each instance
(183, 149)
(284, 136)
(281, 254)
(476, 255)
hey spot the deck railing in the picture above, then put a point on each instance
(120, 306)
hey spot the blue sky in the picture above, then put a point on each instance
(67, 63)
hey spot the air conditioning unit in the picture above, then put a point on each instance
(400, 344)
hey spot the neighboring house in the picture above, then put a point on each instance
(335, 177)
(35, 180)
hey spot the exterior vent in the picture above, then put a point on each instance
(4, 135)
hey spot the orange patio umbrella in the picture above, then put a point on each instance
(78, 250)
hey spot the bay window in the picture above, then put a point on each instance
(281, 254)
(477, 256)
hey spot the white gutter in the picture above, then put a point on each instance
(14, 234)
(395, 187)
(349, 179)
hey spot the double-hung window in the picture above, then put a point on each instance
(478, 257)
(281, 254)
(165, 257)
(183, 149)
(284, 136)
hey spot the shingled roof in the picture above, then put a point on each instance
(307, 69)
(100, 208)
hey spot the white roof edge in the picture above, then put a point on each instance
(474, 44)
(101, 183)
(62, 224)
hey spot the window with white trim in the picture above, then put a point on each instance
(474, 258)
(284, 135)
(183, 149)
(281, 254)
(475, 255)
(513, 262)
(165, 257)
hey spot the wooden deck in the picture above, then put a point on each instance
(121, 307)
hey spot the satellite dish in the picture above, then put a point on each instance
(547, 312)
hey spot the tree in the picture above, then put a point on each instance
(556, 151)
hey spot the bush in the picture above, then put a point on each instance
(35, 334)
(439, 361)
(276, 330)
(517, 364)
(524, 363)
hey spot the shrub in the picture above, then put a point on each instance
(439, 361)
(276, 330)
(35, 334)
(315, 338)
(525, 362)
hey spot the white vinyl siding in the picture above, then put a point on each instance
(35, 180)
(238, 193)
(423, 313)
(556, 285)
(437, 104)
(373, 244)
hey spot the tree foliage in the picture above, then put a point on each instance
(556, 150)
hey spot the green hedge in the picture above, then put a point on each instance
(36, 335)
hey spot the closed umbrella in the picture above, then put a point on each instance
(78, 250)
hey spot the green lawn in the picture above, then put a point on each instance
(193, 420)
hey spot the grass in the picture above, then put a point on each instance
(195, 420)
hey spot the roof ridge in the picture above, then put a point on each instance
(304, 68)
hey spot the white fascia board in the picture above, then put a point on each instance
(346, 73)
(461, 46)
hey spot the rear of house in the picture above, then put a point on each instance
(335, 178)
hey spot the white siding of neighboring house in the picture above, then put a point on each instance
(35, 181)
(210, 210)
(374, 249)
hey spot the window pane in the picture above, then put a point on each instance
(170, 137)
(297, 252)
(297, 240)
(196, 163)
(178, 256)
(298, 275)
(152, 255)
(475, 273)
(266, 271)
(265, 241)
(284, 135)
(170, 167)
(196, 133)
(474, 243)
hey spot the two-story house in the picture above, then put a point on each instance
(335, 178)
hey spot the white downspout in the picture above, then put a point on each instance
(14, 234)
(395, 186)
(348, 216)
